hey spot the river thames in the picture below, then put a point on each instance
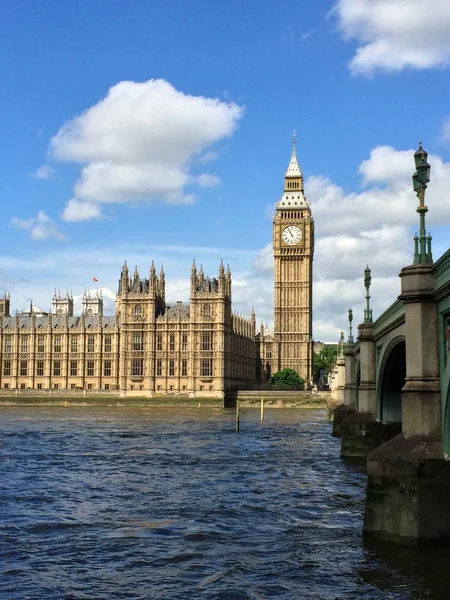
(101, 503)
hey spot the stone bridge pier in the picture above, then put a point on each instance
(408, 489)
(362, 431)
(346, 388)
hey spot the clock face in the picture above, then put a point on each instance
(291, 235)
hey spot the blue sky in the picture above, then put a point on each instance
(102, 101)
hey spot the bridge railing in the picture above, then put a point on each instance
(391, 315)
(442, 274)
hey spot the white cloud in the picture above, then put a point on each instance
(445, 135)
(142, 141)
(80, 211)
(207, 180)
(40, 227)
(44, 172)
(390, 202)
(107, 183)
(396, 34)
(306, 35)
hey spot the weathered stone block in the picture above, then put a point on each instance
(408, 493)
(340, 413)
(361, 433)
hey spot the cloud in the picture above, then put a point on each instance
(306, 35)
(207, 180)
(80, 211)
(445, 135)
(44, 172)
(142, 142)
(393, 35)
(40, 227)
(389, 201)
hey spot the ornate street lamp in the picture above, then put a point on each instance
(422, 243)
(367, 310)
(350, 332)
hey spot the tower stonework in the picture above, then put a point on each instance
(293, 250)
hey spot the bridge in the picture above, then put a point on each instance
(394, 383)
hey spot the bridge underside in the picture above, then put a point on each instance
(393, 379)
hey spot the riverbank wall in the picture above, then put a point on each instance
(247, 399)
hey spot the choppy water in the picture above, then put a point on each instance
(153, 503)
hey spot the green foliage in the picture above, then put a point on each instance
(287, 378)
(325, 360)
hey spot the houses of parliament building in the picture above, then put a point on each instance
(150, 348)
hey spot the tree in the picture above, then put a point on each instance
(287, 378)
(324, 360)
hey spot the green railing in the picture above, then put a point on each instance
(391, 314)
(442, 270)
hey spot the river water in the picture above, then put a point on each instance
(102, 503)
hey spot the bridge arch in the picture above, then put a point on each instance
(391, 379)
(446, 436)
(445, 395)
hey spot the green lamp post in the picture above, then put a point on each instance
(350, 329)
(422, 242)
(367, 310)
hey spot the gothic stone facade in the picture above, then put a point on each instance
(147, 348)
(150, 348)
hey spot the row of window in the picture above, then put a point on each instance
(138, 312)
(57, 343)
(137, 368)
(56, 368)
(206, 341)
(137, 342)
(55, 386)
(293, 185)
(90, 386)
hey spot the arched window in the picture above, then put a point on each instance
(137, 310)
(207, 311)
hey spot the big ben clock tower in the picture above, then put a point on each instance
(293, 250)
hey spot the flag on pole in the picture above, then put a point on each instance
(94, 279)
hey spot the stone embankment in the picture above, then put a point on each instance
(250, 399)
(283, 399)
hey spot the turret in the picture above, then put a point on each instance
(5, 305)
(152, 279)
(293, 196)
(193, 277)
(136, 285)
(228, 281)
(201, 275)
(162, 285)
(221, 277)
(62, 305)
(123, 282)
(92, 305)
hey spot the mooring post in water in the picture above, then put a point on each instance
(262, 410)
(237, 416)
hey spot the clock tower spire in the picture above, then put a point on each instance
(293, 250)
